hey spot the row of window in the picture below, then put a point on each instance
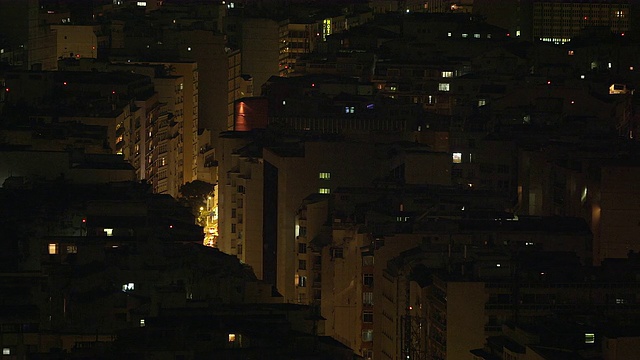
(54, 249)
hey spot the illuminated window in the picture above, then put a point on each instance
(324, 175)
(349, 109)
(465, 35)
(142, 324)
(141, 3)
(367, 335)
(6, 351)
(443, 86)
(517, 33)
(449, 34)
(498, 265)
(72, 249)
(447, 74)
(108, 232)
(324, 191)
(482, 102)
(477, 36)
(128, 287)
(589, 338)
(53, 249)
(457, 158)
(570, 52)
(232, 337)
(367, 298)
(302, 281)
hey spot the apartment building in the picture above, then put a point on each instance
(559, 21)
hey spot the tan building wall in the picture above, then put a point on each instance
(616, 221)
(350, 164)
(342, 302)
(188, 132)
(465, 318)
(620, 348)
(75, 41)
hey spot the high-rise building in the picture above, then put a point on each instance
(559, 21)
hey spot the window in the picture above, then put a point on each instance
(302, 264)
(447, 74)
(233, 213)
(302, 248)
(477, 36)
(128, 287)
(53, 249)
(72, 249)
(465, 35)
(482, 102)
(232, 337)
(589, 338)
(367, 317)
(367, 260)
(142, 324)
(108, 232)
(449, 34)
(367, 298)
(367, 280)
(457, 158)
(233, 228)
(443, 87)
(239, 249)
(302, 231)
(324, 175)
(367, 335)
(324, 191)
(570, 53)
(141, 3)
(6, 351)
(337, 253)
(302, 281)
(349, 109)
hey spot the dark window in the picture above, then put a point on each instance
(367, 317)
(367, 280)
